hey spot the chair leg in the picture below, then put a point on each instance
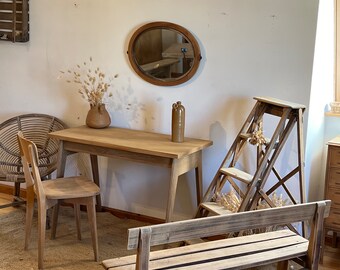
(91, 212)
(77, 215)
(41, 233)
(283, 265)
(29, 215)
(17, 189)
(324, 232)
(55, 213)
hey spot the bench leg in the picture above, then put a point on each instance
(283, 265)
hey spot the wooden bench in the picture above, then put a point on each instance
(228, 253)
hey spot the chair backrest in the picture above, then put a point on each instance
(30, 157)
(35, 127)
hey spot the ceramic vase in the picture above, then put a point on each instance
(98, 117)
(178, 122)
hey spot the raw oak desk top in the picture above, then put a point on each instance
(135, 145)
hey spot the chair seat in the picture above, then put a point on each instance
(70, 187)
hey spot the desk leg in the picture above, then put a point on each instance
(172, 190)
(61, 160)
(198, 174)
(95, 175)
(181, 166)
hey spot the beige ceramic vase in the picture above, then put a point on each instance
(178, 122)
(98, 117)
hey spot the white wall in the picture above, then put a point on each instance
(249, 48)
(320, 130)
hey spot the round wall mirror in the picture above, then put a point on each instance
(164, 53)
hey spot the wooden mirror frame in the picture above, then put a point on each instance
(168, 26)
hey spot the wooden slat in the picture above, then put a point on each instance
(246, 261)
(9, 25)
(252, 260)
(8, 16)
(215, 208)
(9, 5)
(218, 225)
(221, 249)
(244, 135)
(25, 18)
(197, 247)
(6, 25)
(238, 174)
(280, 103)
(230, 252)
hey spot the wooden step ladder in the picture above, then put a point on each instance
(250, 187)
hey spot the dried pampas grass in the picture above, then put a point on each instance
(92, 81)
(257, 137)
(232, 201)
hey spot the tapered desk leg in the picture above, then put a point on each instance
(61, 160)
(179, 167)
(198, 175)
(95, 175)
(172, 190)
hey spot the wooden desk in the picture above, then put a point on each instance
(159, 64)
(134, 145)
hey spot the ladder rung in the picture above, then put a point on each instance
(238, 174)
(244, 135)
(194, 241)
(215, 208)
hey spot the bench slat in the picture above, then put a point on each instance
(196, 247)
(231, 252)
(219, 225)
(219, 248)
(252, 260)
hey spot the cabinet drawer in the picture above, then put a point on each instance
(334, 177)
(334, 156)
(334, 196)
(333, 220)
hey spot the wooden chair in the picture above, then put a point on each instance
(75, 190)
(35, 127)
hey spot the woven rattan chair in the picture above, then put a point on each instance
(34, 127)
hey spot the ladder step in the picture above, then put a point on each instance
(244, 135)
(280, 103)
(215, 208)
(194, 241)
(238, 174)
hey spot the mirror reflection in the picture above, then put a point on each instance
(164, 53)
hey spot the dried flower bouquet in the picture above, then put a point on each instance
(93, 82)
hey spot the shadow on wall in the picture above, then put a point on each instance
(125, 108)
(232, 116)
